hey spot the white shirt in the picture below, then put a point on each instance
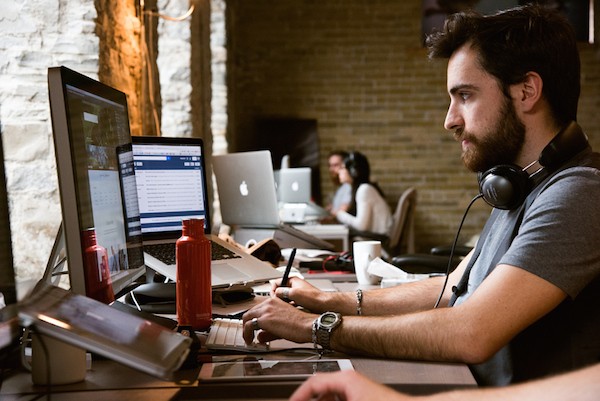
(372, 212)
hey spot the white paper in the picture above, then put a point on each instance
(391, 273)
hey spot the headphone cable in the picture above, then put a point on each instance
(437, 303)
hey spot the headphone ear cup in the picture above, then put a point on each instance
(505, 186)
(352, 171)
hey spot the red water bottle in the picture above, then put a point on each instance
(194, 287)
(98, 284)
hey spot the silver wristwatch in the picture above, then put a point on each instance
(323, 326)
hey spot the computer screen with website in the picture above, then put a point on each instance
(170, 183)
(96, 177)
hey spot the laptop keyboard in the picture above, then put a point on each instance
(166, 252)
(227, 334)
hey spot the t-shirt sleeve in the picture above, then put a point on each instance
(559, 238)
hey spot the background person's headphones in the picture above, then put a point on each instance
(506, 186)
(357, 165)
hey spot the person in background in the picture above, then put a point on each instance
(581, 385)
(342, 196)
(523, 304)
(368, 210)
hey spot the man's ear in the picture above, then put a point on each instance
(528, 93)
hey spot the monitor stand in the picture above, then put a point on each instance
(56, 268)
(54, 362)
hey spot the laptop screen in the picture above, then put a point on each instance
(171, 184)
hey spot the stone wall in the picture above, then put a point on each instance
(35, 35)
(101, 39)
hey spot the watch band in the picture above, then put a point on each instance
(314, 333)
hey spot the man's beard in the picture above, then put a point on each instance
(500, 145)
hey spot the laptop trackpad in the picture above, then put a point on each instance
(228, 273)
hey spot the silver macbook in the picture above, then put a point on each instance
(171, 183)
(246, 186)
(294, 185)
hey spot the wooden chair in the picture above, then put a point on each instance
(401, 236)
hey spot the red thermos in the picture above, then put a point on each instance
(98, 284)
(194, 288)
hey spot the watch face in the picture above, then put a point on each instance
(328, 319)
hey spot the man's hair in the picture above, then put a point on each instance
(338, 152)
(514, 42)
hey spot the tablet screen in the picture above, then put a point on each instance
(271, 369)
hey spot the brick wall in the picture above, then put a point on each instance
(358, 67)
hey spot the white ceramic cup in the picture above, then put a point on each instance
(363, 253)
(67, 363)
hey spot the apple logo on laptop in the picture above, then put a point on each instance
(244, 188)
(295, 186)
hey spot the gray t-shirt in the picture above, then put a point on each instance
(343, 195)
(555, 235)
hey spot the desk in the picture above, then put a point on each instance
(112, 381)
(334, 233)
(108, 380)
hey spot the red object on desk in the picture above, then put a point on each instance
(98, 284)
(194, 287)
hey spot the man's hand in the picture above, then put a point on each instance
(299, 291)
(274, 319)
(346, 385)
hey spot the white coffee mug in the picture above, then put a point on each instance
(55, 362)
(363, 253)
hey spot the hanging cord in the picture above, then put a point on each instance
(169, 18)
(437, 303)
(146, 54)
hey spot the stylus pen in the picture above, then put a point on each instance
(286, 275)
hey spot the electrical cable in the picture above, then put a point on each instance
(437, 303)
(169, 18)
(146, 54)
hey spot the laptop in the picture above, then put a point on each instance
(171, 182)
(246, 187)
(294, 185)
(294, 195)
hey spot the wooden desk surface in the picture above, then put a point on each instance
(108, 380)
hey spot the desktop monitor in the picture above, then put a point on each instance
(94, 159)
(8, 293)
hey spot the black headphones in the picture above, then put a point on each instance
(357, 164)
(506, 186)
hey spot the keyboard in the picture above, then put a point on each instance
(165, 252)
(226, 334)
